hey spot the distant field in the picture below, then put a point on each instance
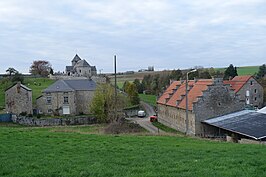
(36, 84)
(81, 151)
(151, 99)
(245, 70)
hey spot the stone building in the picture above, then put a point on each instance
(207, 98)
(248, 89)
(80, 68)
(18, 99)
(67, 97)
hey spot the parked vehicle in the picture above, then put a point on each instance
(141, 113)
(153, 118)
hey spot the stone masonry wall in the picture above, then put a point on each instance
(216, 101)
(18, 100)
(57, 102)
(53, 121)
(255, 92)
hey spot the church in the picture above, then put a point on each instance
(80, 68)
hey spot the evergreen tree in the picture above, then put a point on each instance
(262, 71)
(230, 72)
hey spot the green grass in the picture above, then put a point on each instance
(64, 151)
(244, 70)
(36, 84)
(165, 128)
(151, 99)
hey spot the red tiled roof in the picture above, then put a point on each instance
(177, 96)
(237, 82)
(195, 92)
(168, 91)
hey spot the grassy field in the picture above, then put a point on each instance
(36, 84)
(76, 151)
(151, 99)
(244, 70)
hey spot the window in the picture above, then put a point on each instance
(48, 100)
(255, 91)
(65, 99)
(255, 98)
(251, 83)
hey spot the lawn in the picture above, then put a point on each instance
(64, 151)
(151, 99)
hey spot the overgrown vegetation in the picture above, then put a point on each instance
(165, 128)
(105, 106)
(81, 151)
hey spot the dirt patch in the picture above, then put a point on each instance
(124, 127)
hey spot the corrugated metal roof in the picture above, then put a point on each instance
(247, 122)
(262, 110)
(71, 85)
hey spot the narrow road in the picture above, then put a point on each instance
(145, 122)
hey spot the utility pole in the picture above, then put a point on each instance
(115, 90)
(187, 99)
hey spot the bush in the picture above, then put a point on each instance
(23, 114)
(39, 116)
(30, 115)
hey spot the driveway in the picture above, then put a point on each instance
(145, 122)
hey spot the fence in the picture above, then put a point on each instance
(5, 118)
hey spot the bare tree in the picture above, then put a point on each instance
(11, 71)
(40, 67)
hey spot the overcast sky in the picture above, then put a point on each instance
(166, 34)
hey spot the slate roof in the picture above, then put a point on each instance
(69, 68)
(76, 58)
(21, 85)
(71, 85)
(82, 63)
(248, 123)
(238, 82)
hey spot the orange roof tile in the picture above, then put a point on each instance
(177, 96)
(237, 82)
(168, 91)
(195, 92)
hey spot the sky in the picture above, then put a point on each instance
(166, 34)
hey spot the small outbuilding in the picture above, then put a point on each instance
(246, 124)
(18, 99)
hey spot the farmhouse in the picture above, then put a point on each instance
(18, 99)
(67, 97)
(207, 98)
(80, 68)
(248, 89)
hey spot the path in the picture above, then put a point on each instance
(145, 122)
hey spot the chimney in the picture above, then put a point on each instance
(18, 86)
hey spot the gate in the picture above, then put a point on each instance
(5, 118)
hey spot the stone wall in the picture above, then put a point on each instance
(255, 93)
(176, 118)
(18, 100)
(57, 102)
(216, 101)
(53, 121)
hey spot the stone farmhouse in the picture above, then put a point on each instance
(67, 97)
(18, 99)
(80, 68)
(207, 98)
(248, 89)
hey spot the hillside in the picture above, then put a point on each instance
(81, 151)
(36, 84)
